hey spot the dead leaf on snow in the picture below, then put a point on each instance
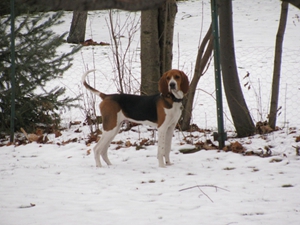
(235, 147)
(88, 152)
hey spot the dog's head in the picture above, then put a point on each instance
(175, 82)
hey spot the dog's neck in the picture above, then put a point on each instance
(176, 99)
(172, 96)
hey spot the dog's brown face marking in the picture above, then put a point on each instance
(170, 76)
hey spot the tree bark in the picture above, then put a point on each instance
(157, 28)
(78, 25)
(239, 111)
(166, 20)
(85, 5)
(150, 66)
(88, 5)
(295, 3)
(277, 65)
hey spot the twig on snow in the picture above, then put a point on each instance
(199, 187)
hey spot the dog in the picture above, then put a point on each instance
(161, 110)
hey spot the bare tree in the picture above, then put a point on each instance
(239, 111)
(150, 60)
(78, 25)
(166, 20)
(122, 55)
(277, 65)
(157, 28)
(203, 58)
(295, 3)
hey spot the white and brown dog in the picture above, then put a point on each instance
(162, 110)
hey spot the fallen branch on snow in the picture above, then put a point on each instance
(199, 187)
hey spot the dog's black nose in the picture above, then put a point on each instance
(172, 85)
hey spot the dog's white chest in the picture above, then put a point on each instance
(173, 114)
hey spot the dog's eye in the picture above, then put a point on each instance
(168, 78)
(177, 77)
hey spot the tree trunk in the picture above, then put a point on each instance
(150, 66)
(166, 22)
(277, 65)
(202, 60)
(87, 5)
(239, 111)
(157, 28)
(295, 3)
(78, 25)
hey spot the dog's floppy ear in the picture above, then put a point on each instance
(184, 85)
(163, 84)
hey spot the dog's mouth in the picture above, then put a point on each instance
(177, 93)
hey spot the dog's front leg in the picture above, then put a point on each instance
(161, 146)
(168, 143)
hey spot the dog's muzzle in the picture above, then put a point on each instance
(172, 86)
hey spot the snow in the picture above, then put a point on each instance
(66, 187)
(59, 184)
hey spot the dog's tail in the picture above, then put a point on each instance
(91, 89)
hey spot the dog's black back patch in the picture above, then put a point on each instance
(137, 107)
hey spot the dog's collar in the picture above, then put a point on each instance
(174, 99)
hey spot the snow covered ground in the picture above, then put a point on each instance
(65, 187)
(58, 183)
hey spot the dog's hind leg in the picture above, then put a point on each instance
(97, 150)
(102, 146)
(107, 137)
